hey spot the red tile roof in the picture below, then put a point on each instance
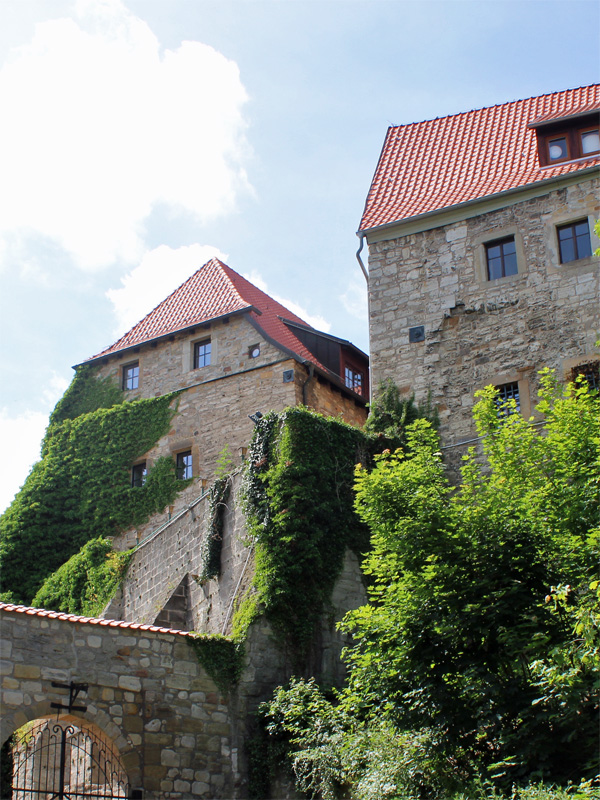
(439, 163)
(104, 623)
(214, 291)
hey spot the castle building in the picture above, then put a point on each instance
(481, 237)
(235, 351)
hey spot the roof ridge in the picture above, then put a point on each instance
(213, 263)
(442, 163)
(494, 105)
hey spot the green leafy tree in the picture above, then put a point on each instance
(458, 612)
(474, 667)
(391, 412)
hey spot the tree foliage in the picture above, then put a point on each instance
(479, 648)
(391, 413)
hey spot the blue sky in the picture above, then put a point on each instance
(141, 137)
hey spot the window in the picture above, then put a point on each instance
(501, 258)
(254, 351)
(353, 380)
(574, 241)
(202, 354)
(138, 474)
(131, 376)
(184, 465)
(508, 391)
(590, 371)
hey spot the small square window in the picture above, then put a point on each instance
(558, 149)
(506, 392)
(353, 380)
(184, 465)
(202, 354)
(131, 376)
(254, 351)
(589, 371)
(501, 258)
(138, 474)
(574, 241)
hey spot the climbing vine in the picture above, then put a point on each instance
(87, 581)
(81, 488)
(86, 393)
(210, 553)
(299, 506)
(222, 658)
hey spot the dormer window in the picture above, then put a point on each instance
(353, 379)
(567, 139)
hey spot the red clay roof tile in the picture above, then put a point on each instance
(435, 164)
(113, 623)
(213, 291)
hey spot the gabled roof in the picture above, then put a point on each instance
(213, 292)
(436, 164)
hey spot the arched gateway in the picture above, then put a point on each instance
(64, 759)
(121, 707)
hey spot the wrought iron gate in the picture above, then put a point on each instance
(55, 760)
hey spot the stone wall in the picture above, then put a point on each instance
(170, 562)
(176, 735)
(478, 331)
(162, 587)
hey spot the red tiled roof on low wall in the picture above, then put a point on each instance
(106, 623)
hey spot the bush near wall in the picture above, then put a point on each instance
(81, 488)
(86, 582)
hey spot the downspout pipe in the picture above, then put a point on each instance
(311, 372)
(361, 237)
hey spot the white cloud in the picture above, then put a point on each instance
(318, 322)
(21, 436)
(160, 272)
(354, 299)
(99, 126)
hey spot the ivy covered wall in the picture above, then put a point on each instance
(81, 488)
(299, 504)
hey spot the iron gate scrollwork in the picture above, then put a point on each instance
(54, 760)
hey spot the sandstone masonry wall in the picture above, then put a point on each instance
(173, 557)
(478, 331)
(214, 409)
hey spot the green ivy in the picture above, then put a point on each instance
(299, 505)
(87, 581)
(81, 489)
(86, 393)
(210, 552)
(221, 657)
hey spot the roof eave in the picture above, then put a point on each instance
(430, 219)
(344, 342)
(164, 336)
(330, 376)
